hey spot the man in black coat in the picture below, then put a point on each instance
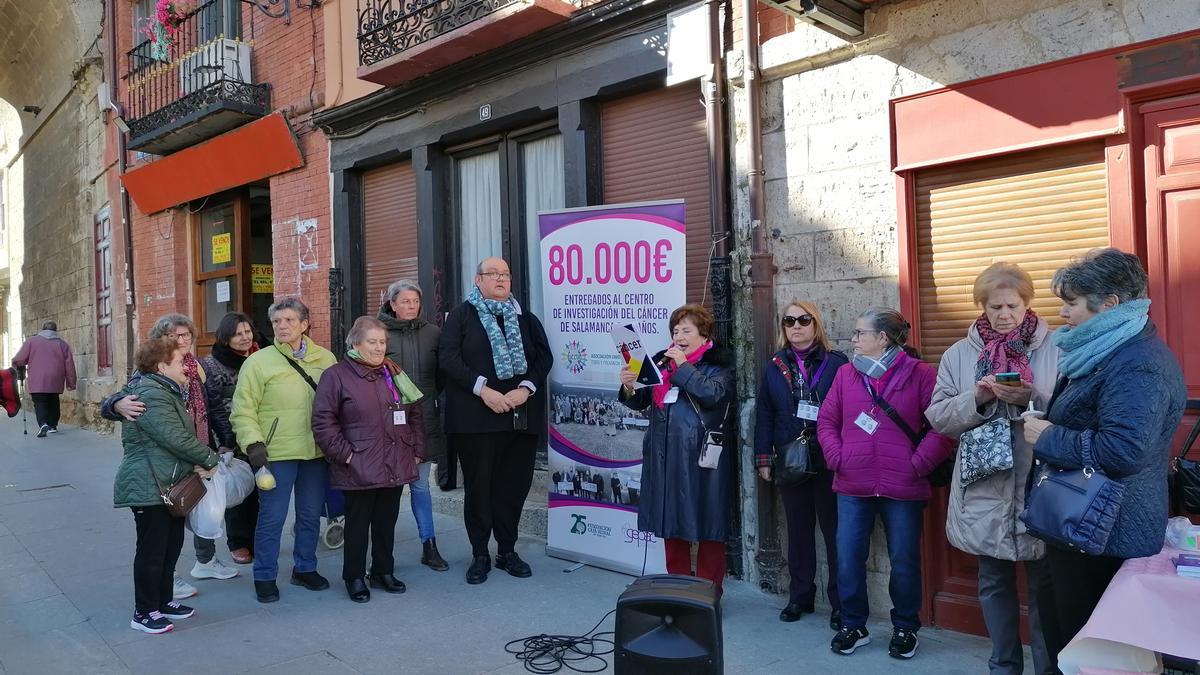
(495, 359)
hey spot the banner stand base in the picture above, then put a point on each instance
(593, 561)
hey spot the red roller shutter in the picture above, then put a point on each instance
(389, 228)
(655, 147)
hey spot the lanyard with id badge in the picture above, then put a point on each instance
(399, 415)
(866, 419)
(807, 409)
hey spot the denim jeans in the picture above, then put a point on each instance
(422, 502)
(309, 478)
(902, 522)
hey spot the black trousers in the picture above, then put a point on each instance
(1070, 588)
(46, 409)
(447, 468)
(370, 514)
(497, 473)
(240, 522)
(805, 505)
(159, 540)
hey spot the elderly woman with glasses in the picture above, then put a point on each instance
(275, 391)
(1116, 407)
(209, 416)
(794, 384)
(873, 433)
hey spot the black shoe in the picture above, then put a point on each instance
(387, 582)
(431, 558)
(511, 562)
(310, 580)
(478, 571)
(44, 430)
(835, 620)
(174, 610)
(151, 622)
(849, 639)
(266, 591)
(904, 643)
(794, 611)
(447, 487)
(357, 588)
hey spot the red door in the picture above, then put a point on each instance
(1172, 161)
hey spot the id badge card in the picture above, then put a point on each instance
(672, 395)
(806, 410)
(866, 423)
(399, 417)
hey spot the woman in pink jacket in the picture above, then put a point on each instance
(872, 431)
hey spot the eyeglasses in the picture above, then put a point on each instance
(498, 276)
(803, 320)
(183, 337)
(858, 334)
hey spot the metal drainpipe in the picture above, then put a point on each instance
(719, 262)
(762, 285)
(126, 211)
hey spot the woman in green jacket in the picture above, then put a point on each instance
(160, 448)
(275, 392)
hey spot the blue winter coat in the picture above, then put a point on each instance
(679, 499)
(1131, 406)
(776, 423)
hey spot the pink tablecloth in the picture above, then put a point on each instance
(1147, 610)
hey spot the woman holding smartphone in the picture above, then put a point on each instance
(985, 381)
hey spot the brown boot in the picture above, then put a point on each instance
(431, 558)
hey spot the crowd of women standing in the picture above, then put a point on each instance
(881, 428)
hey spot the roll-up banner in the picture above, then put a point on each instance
(604, 268)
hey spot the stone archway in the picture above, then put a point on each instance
(51, 71)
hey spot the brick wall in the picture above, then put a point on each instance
(290, 58)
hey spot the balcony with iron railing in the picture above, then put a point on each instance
(401, 40)
(189, 81)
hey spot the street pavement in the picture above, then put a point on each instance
(66, 598)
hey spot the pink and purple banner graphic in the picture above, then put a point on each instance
(604, 266)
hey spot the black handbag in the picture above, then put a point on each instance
(1185, 476)
(793, 462)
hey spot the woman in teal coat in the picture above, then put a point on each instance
(160, 448)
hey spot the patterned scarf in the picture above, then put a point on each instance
(1006, 352)
(660, 390)
(1086, 345)
(875, 368)
(508, 353)
(409, 393)
(196, 407)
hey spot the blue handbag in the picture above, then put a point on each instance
(1073, 508)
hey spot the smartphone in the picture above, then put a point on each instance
(520, 418)
(1008, 378)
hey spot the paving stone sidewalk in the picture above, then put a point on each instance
(66, 596)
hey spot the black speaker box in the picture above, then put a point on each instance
(669, 624)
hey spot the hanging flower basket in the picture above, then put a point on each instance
(163, 28)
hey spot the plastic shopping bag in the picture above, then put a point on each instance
(239, 481)
(207, 520)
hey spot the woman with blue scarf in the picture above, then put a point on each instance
(1120, 391)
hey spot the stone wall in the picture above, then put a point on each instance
(830, 193)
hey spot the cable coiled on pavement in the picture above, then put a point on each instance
(544, 654)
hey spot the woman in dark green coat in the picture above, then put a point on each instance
(160, 448)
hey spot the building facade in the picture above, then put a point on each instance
(227, 177)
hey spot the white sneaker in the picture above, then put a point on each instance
(183, 590)
(213, 569)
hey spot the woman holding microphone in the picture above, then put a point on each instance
(686, 479)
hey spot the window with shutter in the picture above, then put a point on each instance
(654, 147)
(389, 228)
(1037, 209)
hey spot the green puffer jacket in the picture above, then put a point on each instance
(268, 388)
(162, 440)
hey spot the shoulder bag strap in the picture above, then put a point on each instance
(701, 417)
(296, 366)
(895, 417)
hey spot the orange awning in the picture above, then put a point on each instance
(254, 151)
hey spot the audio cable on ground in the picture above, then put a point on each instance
(544, 654)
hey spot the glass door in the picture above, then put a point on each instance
(219, 273)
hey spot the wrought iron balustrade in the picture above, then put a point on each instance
(194, 66)
(389, 27)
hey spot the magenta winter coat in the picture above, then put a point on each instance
(883, 464)
(49, 363)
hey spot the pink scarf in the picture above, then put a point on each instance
(196, 407)
(660, 390)
(1006, 352)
